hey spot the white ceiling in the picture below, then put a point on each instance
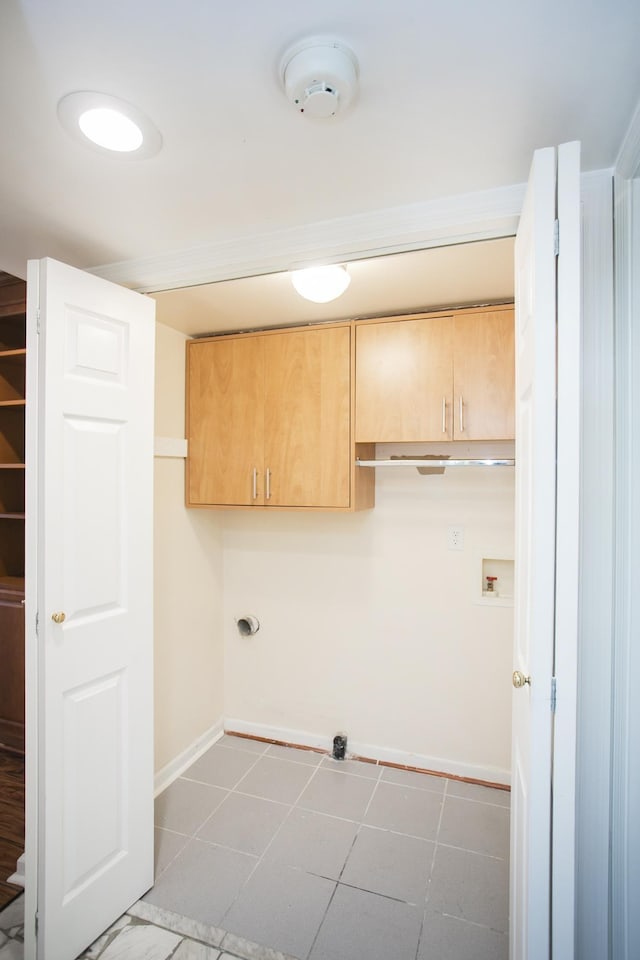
(454, 97)
(468, 273)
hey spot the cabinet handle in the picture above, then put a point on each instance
(268, 484)
(444, 415)
(461, 414)
(255, 483)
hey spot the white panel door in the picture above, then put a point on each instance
(535, 267)
(92, 389)
(546, 558)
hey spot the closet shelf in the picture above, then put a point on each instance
(419, 462)
(12, 585)
(11, 466)
(12, 516)
(12, 403)
(20, 352)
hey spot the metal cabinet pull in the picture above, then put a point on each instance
(461, 414)
(268, 484)
(255, 483)
(444, 414)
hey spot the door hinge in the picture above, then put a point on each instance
(38, 320)
(36, 923)
(553, 694)
(556, 237)
(37, 623)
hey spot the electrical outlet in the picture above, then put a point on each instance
(456, 538)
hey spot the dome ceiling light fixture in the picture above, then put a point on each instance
(321, 284)
(320, 77)
(109, 125)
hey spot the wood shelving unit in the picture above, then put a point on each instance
(12, 509)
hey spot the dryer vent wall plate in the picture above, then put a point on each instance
(320, 77)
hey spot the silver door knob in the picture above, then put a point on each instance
(59, 617)
(519, 679)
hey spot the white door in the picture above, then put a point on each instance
(542, 570)
(89, 540)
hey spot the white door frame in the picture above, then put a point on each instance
(467, 219)
(625, 773)
(596, 572)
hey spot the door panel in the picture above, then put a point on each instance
(89, 521)
(395, 364)
(93, 459)
(483, 385)
(225, 422)
(93, 715)
(307, 425)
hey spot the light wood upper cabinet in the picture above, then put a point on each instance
(269, 421)
(436, 378)
(484, 376)
(404, 373)
(226, 426)
(307, 417)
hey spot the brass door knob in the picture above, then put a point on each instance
(519, 679)
(59, 617)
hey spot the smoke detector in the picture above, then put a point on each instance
(320, 77)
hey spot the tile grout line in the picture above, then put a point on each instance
(229, 790)
(433, 863)
(376, 781)
(473, 923)
(260, 859)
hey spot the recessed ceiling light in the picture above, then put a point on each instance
(110, 129)
(321, 284)
(109, 125)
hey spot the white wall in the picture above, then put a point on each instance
(369, 625)
(188, 582)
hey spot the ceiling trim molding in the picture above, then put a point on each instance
(460, 219)
(628, 161)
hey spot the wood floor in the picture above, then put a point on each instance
(11, 821)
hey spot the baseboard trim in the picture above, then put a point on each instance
(172, 770)
(371, 753)
(17, 878)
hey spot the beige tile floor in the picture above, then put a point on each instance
(270, 853)
(328, 860)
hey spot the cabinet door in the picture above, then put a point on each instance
(225, 421)
(484, 376)
(307, 406)
(404, 380)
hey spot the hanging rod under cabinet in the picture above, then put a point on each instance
(434, 463)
